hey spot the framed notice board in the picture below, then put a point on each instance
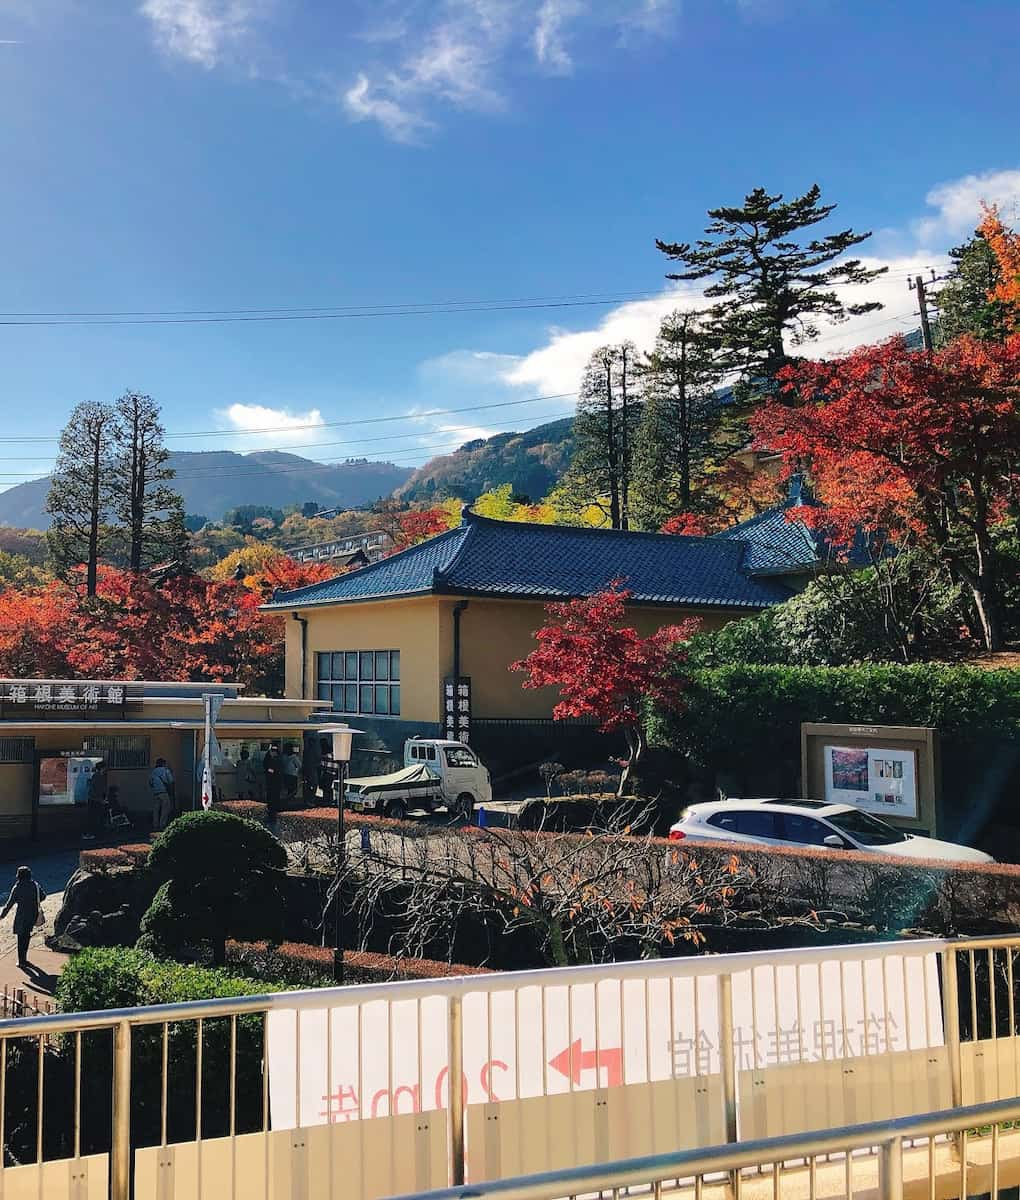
(891, 771)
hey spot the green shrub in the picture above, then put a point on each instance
(222, 877)
(116, 977)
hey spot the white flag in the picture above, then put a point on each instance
(207, 787)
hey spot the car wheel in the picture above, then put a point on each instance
(397, 810)
(466, 806)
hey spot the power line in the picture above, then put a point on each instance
(384, 457)
(433, 412)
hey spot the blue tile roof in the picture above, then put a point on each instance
(775, 544)
(546, 562)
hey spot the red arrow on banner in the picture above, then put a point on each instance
(573, 1060)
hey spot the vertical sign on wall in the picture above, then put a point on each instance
(457, 708)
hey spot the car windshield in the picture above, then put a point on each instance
(869, 831)
(457, 756)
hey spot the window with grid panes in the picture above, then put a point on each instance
(366, 682)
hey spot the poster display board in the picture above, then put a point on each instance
(358, 1061)
(882, 781)
(891, 771)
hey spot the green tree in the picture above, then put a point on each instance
(772, 286)
(152, 512)
(608, 412)
(222, 877)
(81, 491)
(963, 303)
(680, 416)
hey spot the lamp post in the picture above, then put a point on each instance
(343, 741)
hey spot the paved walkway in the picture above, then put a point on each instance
(52, 870)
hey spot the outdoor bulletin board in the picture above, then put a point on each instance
(888, 770)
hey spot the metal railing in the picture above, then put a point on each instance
(116, 1082)
(924, 1150)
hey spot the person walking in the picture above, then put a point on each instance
(26, 899)
(98, 786)
(272, 765)
(291, 772)
(244, 777)
(161, 785)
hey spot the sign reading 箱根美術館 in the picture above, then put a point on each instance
(889, 770)
(456, 708)
(33, 699)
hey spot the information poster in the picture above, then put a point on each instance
(883, 782)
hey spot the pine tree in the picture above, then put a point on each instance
(771, 287)
(80, 491)
(151, 511)
(963, 303)
(608, 412)
(681, 416)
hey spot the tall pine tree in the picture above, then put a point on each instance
(680, 419)
(80, 494)
(608, 412)
(151, 512)
(772, 286)
(964, 303)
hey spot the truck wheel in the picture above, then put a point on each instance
(466, 806)
(397, 809)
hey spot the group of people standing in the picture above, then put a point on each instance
(275, 779)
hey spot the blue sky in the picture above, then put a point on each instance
(168, 155)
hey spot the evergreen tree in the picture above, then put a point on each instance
(963, 303)
(771, 286)
(608, 411)
(680, 420)
(152, 512)
(80, 491)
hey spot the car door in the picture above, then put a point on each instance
(460, 772)
(803, 830)
(747, 824)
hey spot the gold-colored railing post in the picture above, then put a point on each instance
(891, 1170)
(120, 1147)
(727, 1052)
(456, 1085)
(951, 1021)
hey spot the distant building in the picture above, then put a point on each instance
(52, 731)
(421, 642)
(354, 550)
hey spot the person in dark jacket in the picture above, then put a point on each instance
(26, 899)
(272, 765)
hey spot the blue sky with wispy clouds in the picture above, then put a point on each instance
(177, 155)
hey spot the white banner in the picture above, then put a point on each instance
(356, 1061)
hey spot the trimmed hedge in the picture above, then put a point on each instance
(254, 810)
(742, 724)
(305, 965)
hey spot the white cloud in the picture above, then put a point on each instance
(205, 32)
(363, 103)
(268, 426)
(958, 204)
(550, 47)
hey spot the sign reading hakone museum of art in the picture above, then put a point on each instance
(32, 699)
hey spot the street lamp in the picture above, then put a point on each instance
(343, 742)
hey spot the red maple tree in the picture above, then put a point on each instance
(686, 524)
(186, 628)
(605, 669)
(905, 445)
(416, 525)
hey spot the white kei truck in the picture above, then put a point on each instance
(436, 774)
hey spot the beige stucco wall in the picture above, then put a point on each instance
(410, 626)
(494, 633)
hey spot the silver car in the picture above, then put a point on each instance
(811, 823)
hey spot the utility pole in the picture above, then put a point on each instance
(922, 305)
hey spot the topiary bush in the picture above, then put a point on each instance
(221, 876)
